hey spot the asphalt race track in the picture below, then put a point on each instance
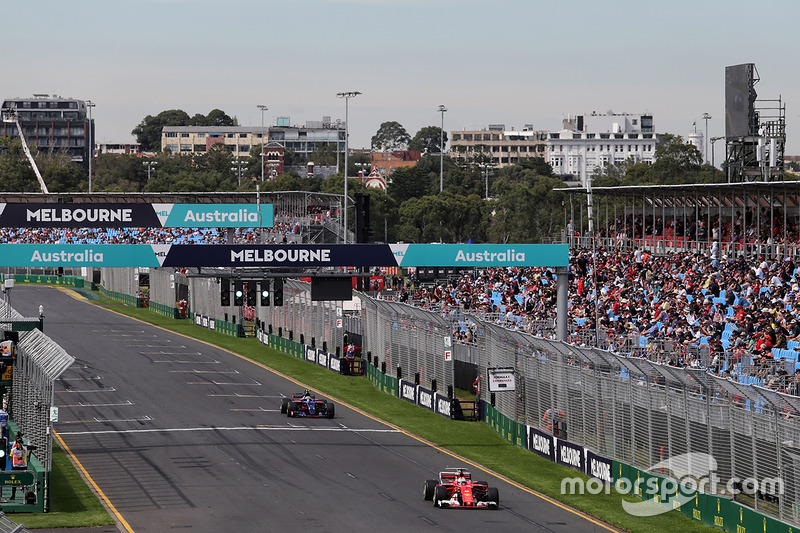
(179, 435)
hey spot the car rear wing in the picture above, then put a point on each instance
(451, 475)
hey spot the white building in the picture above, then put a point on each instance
(589, 142)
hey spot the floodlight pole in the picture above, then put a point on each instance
(89, 106)
(442, 110)
(347, 96)
(706, 116)
(263, 137)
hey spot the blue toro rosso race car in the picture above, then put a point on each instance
(307, 405)
(455, 488)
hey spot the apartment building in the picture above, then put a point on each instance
(497, 146)
(587, 143)
(302, 140)
(52, 124)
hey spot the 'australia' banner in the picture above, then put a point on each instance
(269, 255)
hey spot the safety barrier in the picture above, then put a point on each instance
(382, 381)
(712, 510)
(220, 326)
(510, 430)
(70, 281)
(127, 299)
(166, 310)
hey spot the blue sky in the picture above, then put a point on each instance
(506, 62)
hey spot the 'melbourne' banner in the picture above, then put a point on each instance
(21, 215)
(282, 255)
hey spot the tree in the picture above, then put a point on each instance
(148, 132)
(420, 220)
(217, 117)
(390, 136)
(525, 211)
(428, 140)
(16, 174)
(442, 218)
(285, 182)
(60, 173)
(465, 181)
(410, 182)
(118, 173)
(538, 165)
(675, 161)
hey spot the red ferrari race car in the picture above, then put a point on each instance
(306, 405)
(455, 488)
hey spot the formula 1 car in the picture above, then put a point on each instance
(455, 488)
(307, 405)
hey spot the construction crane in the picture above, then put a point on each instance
(10, 116)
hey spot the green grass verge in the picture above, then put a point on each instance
(473, 440)
(73, 503)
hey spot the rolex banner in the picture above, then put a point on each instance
(23, 215)
(277, 255)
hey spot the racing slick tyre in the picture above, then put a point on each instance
(493, 495)
(331, 410)
(284, 405)
(428, 489)
(440, 496)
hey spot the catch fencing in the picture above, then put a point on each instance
(317, 323)
(645, 413)
(39, 362)
(120, 280)
(631, 409)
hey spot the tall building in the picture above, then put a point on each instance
(52, 124)
(587, 143)
(497, 146)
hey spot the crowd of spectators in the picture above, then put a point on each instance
(735, 317)
(279, 233)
